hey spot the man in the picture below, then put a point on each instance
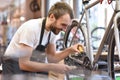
(39, 34)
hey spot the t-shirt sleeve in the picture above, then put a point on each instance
(27, 37)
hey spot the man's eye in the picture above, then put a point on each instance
(64, 25)
(59, 28)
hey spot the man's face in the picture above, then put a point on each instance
(60, 24)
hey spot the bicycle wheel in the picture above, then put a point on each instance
(60, 42)
(113, 60)
(74, 34)
(97, 35)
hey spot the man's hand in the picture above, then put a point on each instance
(76, 48)
(62, 68)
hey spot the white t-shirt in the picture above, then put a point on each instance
(29, 34)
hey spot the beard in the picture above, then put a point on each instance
(54, 29)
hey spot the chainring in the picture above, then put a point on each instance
(80, 59)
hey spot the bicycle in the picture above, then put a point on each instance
(96, 35)
(111, 38)
(59, 42)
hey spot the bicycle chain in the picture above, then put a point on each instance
(80, 59)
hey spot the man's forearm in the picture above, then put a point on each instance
(35, 66)
(59, 55)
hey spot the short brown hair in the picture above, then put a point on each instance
(61, 8)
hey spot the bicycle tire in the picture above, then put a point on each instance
(100, 28)
(74, 24)
(97, 35)
(67, 42)
(112, 57)
(60, 44)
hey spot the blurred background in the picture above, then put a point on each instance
(15, 12)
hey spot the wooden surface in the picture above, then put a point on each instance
(56, 76)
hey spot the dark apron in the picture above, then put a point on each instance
(11, 66)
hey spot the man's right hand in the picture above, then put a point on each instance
(62, 68)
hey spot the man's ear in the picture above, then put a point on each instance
(52, 17)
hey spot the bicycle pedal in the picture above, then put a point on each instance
(80, 59)
(87, 63)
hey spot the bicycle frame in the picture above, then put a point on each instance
(113, 20)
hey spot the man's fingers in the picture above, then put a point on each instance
(80, 48)
(72, 67)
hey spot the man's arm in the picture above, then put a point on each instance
(54, 56)
(27, 65)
